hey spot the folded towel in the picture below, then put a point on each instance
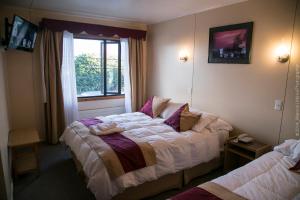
(106, 126)
(96, 131)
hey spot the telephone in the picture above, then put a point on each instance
(245, 138)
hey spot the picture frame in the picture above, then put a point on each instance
(230, 44)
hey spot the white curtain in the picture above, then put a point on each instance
(125, 65)
(68, 79)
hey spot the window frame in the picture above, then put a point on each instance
(117, 95)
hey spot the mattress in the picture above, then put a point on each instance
(267, 177)
(174, 151)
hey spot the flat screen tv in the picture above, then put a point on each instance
(23, 34)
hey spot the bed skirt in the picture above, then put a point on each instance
(165, 183)
(202, 169)
(151, 188)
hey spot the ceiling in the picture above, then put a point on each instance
(143, 11)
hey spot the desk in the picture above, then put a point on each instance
(24, 147)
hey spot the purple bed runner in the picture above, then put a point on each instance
(129, 155)
(195, 193)
(90, 121)
(128, 152)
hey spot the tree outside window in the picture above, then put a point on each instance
(98, 70)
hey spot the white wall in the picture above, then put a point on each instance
(5, 178)
(289, 114)
(167, 76)
(241, 94)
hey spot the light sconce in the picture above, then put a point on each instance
(282, 53)
(183, 55)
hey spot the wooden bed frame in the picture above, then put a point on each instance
(167, 182)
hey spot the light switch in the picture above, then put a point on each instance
(278, 105)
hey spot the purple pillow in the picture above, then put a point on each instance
(147, 108)
(154, 106)
(174, 120)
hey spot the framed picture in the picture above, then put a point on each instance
(230, 44)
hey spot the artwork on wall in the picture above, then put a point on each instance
(230, 44)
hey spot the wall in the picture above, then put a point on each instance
(24, 71)
(5, 178)
(289, 114)
(241, 94)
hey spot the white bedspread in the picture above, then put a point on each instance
(174, 151)
(266, 178)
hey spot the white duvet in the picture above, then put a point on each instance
(174, 151)
(266, 178)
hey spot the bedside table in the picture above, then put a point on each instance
(238, 153)
(24, 147)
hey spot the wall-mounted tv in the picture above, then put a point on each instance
(23, 34)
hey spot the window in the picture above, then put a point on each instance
(98, 67)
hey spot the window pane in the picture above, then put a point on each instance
(89, 67)
(112, 54)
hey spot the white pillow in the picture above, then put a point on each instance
(170, 109)
(223, 137)
(204, 121)
(295, 149)
(285, 148)
(220, 124)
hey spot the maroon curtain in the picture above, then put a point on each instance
(92, 29)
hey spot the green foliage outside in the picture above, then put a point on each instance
(112, 75)
(90, 74)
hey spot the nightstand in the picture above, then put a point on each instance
(24, 147)
(238, 153)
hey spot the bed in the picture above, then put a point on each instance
(181, 156)
(268, 177)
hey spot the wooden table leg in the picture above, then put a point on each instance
(36, 152)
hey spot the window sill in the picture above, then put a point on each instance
(83, 99)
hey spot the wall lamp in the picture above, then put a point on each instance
(183, 55)
(282, 53)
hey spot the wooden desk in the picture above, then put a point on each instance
(24, 146)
